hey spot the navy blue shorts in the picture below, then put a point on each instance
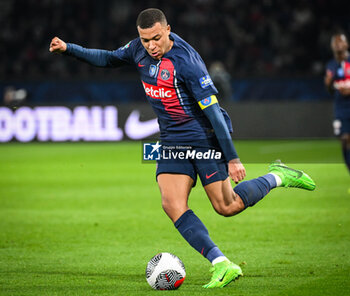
(208, 170)
(341, 126)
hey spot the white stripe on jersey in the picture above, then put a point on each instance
(178, 91)
(157, 69)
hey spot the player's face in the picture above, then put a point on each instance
(340, 47)
(156, 40)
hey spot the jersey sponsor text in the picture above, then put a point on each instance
(157, 92)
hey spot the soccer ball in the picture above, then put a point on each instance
(165, 271)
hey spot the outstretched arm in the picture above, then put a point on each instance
(236, 169)
(95, 57)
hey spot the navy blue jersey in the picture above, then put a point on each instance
(173, 85)
(341, 76)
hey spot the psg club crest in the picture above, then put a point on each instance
(152, 70)
(206, 101)
(165, 74)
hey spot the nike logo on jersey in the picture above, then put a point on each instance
(140, 65)
(136, 129)
(209, 176)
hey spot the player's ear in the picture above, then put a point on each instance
(168, 29)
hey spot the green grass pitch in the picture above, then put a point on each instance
(84, 219)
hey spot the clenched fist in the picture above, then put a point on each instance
(57, 45)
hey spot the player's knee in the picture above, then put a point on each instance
(171, 205)
(224, 211)
(228, 210)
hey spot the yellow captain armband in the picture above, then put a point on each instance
(208, 102)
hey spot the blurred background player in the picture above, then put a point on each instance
(183, 96)
(337, 81)
(222, 80)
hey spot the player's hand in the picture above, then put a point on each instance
(57, 45)
(236, 170)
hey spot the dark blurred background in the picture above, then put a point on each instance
(256, 51)
(268, 38)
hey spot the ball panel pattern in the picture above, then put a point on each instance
(152, 264)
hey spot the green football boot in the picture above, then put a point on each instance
(223, 273)
(291, 177)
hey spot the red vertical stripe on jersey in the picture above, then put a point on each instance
(347, 70)
(165, 79)
(344, 82)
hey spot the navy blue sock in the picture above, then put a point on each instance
(254, 190)
(197, 235)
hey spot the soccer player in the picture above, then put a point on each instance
(183, 96)
(337, 81)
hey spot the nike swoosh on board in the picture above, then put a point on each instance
(208, 177)
(137, 130)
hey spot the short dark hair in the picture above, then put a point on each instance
(148, 17)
